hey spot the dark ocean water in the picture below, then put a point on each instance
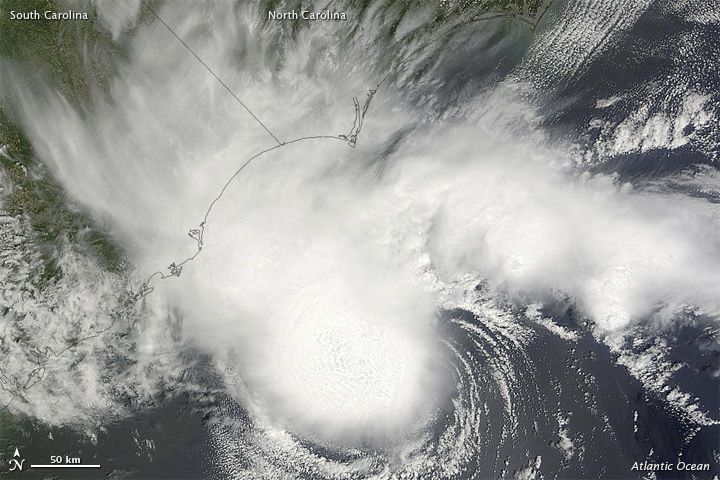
(580, 381)
(528, 402)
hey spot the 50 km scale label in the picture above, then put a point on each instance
(65, 461)
(56, 461)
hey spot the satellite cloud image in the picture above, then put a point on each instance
(360, 239)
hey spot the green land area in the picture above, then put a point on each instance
(77, 58)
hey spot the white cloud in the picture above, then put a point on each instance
(323, 265)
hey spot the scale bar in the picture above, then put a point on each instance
(65, 466)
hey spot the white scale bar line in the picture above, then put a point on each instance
(65, 466)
